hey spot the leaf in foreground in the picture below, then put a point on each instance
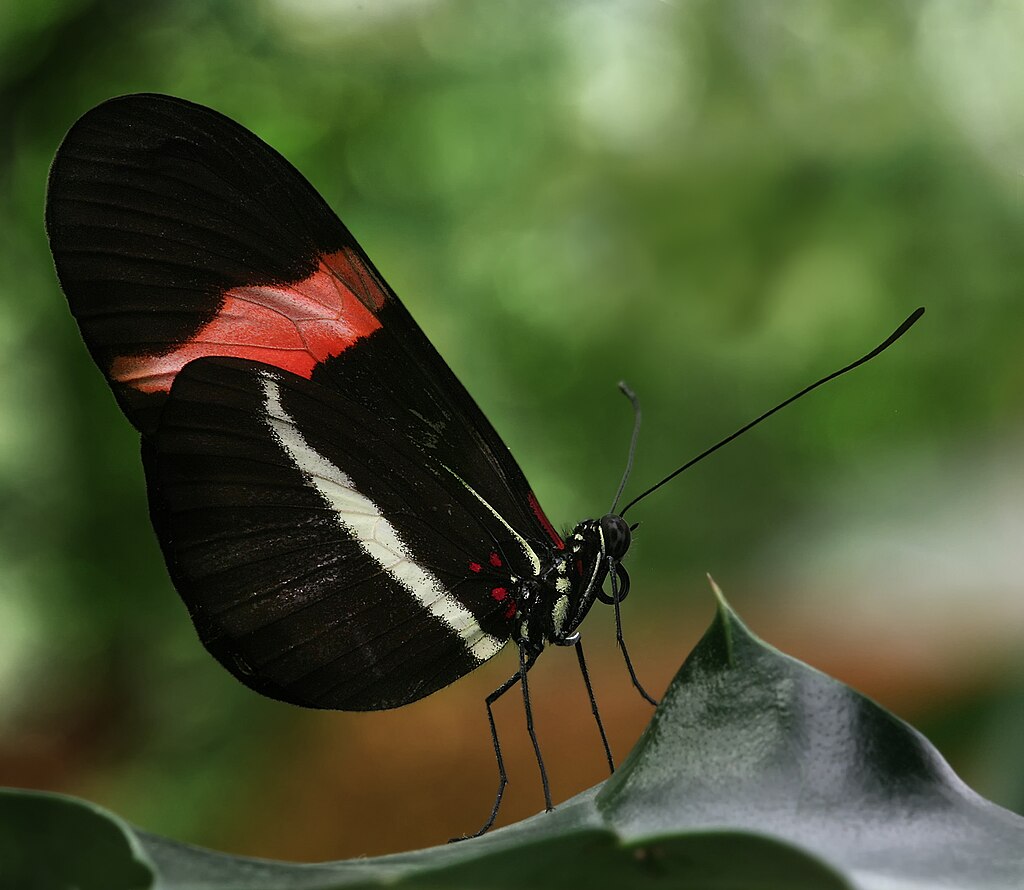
(756, 772)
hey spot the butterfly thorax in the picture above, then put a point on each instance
(554, 604)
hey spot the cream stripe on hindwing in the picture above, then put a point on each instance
(379, 539)
(528, 552)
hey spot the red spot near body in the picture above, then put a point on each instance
(510, 609)
(291, 326)
(475, 567)
(545, 522)
(496, 560)
(499, 593)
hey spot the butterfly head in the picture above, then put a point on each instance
(577, 576)
(615, 536)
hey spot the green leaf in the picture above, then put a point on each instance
(756, 772)
(52, 841)
(749, 738)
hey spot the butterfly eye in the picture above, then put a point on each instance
(617, 536)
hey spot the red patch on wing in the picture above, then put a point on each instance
(545, 522)
(291, 326)
(475, 567)
(495, 560)
(501, 594)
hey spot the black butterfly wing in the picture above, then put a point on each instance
(178, 234)
(165, 221)
(323, 560)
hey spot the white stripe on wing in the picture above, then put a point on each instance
(380, 540)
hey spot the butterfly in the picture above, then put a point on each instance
(343, 523)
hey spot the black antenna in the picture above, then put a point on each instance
(892, 338)
(635, 402)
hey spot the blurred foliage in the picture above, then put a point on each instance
(716, 201)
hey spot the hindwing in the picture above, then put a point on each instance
(324, 560)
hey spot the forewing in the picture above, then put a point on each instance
(323, 560)
(178, 234)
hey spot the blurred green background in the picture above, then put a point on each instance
(717, 201)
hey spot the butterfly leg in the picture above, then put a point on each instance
(525, 663)
(593, 703)
(614, 575)
(502, 776)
